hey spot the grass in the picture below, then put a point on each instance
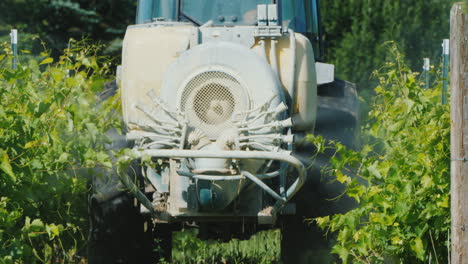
(261, 248)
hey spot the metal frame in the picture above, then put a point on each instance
(320, 42)
(257, 179)
(180, 13)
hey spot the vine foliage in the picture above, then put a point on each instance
(51, 130)
(400, 178)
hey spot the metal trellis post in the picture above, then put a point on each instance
(445, 69)
(426, 69)
(14, 47)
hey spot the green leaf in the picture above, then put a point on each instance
(37, 224)
(30, 144)
(396, 240)
(323, 221)
(46, 61)
(57, 74)
(374, 171)
(53, 231)
(9, 75)
(98, 84)
(5, 165)
(444, 203)
(63, 157)
(342, 252)
(35, 228)
(342, 178)
(427, 181)
(418, 248)
(27, 222)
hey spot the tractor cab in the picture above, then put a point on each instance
(302, 16)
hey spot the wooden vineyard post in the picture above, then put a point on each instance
(459, 131)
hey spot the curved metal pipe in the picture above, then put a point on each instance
(274, 124)
(292, 84)
(261, 155)
(265, 176)
(135, 190)
(262, 45)
(149, 112)
(155, 99)
(274, 58)
(264, 186)
(160, 144)
(259, 107)
(269, 175)
(218, 178)
(259, 146)
(134, 135)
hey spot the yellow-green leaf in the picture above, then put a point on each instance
(5, 165)
(378, 89)
(57, 74)
(427, 181)
(323, 221)
(31, 144)
(396, 240)
(37, 224)
(342, 178)
(444, 203)
(53, 231)
(418, 247)
(47, 61)
(357, 235)
(374, 171)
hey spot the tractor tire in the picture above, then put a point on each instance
(302, 241)
(162, 234)
(338, 113)
(118, 232)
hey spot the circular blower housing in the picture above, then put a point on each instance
(212, 82)
(210, 99)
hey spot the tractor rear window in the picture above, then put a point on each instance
(237, 12)
(301, 15)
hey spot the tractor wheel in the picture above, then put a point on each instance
(118, 232)
(162, 235)
(337, 119)
(338, 113)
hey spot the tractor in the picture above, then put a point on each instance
(218, 98)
